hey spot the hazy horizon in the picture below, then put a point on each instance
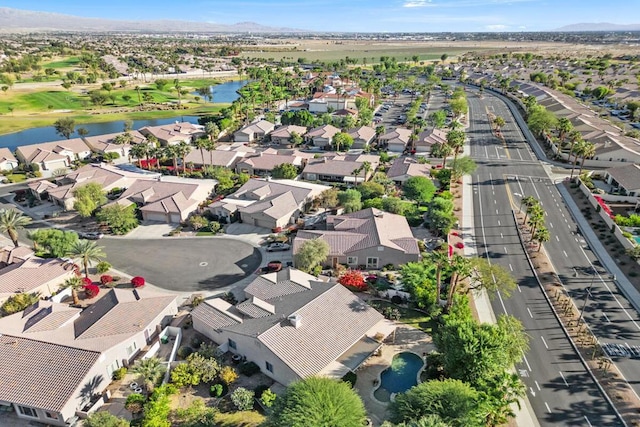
(359, 15)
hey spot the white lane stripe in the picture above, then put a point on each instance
(529, 311)
(510, 268)
(544, 342)
(565, 254)
(564, 379)
(548, 409)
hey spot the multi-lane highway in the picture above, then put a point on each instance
(560, 390)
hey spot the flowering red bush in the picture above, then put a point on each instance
(86, 281)
(91, 291)
(459, 245)
(353, 279)
(138, 282)
(106, 279)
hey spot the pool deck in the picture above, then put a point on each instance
(406, 339)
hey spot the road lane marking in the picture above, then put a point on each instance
(501, 236)
(498, 222)
(564, 379)
(606, 317)
(505, 250)
(519, 290)
(548, 409)
(529, 311)
(527, 362)
(544, 342)
(587, 420)
(551, 224)
(557, 238)
(565, 254)
(510, 267)
(537, 385)
(497, 213)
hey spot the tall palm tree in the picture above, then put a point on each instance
(498, 122)
(588, 151)
(366, 168)
(442, 150)
(441, 260)
(455, 140)
(578, 150)
(139, 151)
(178, 87)
(574, 137)
(542, 235)
(564, 126)
(183, 149)
(461, 268)
(11, 221)
(202, 144)
(171, 152)
(88, 252)
(74, 283)
(528, 202)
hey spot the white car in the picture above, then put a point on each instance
(275, 247)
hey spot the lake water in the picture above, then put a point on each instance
(224, 93)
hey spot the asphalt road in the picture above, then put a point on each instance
(184, 265)
(558, 386)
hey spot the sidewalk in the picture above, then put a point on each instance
(525, 416)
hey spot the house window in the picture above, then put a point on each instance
(51, 415)
(131, 349)
(352, 260)
(372, 262)
(232, 344)
(27, 412)
(269, 367)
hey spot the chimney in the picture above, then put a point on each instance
(296, 320)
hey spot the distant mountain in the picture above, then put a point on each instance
(599, 26)
(16, 20)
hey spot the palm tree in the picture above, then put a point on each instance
(564, 127)
(11, 221)
(74, 283)
(578, 150)
(574, 136)
(588, 151)
(498, 122)
(137, 89)
(455, 140)
(202, 144)
(171, 152)
(178, 88)
(441, 260)
(139, 151)
(461, 268)
(542, 235)
(366, 168)
(536, 218)
(182, 150)
(527, 202)
(88, 252)
(149, 370)
(442, 150)
(507, 390)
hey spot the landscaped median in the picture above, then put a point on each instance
(605, 373)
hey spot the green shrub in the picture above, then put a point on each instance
(119, 374)
(103, 267)
(242, 399)
(268, 398)
(184, 351)
(216, 390)
(259, 390)
(248, 368)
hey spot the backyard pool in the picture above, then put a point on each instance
(400, 376)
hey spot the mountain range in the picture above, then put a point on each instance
(599, 26)
(16, 20)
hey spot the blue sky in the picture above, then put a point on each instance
(359, 15)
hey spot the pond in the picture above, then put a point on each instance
(400, 376)
(48, 133)
(226, 92)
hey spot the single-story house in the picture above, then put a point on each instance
(173, 134)
(56, 357)
(292, 326)
(51, 156)
(370, 238)
(40, 189)
(395, 140)
(217, 157)
(107, 176)
(255, 131)
(7, 160)
(164, 201)
(262, 164)
(338, 169)
(404, 168)
(322, 136)
(428, 138)
(625, 179)
(268, 203)
(119, 142)
(362, 136)
(282, 135)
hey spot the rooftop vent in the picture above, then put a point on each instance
(296, 320)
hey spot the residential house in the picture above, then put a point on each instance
(262, 164)
(322, 136)
(55, 155)
(292, 326)
(164, 201)
(253, 132)
(362, 136)
(107, 176)
(625, 179)
(268, 203)
(21, 271)
(7, 160)
(369, 239)
(428, 138)
(111, 143)
(339, 168)
(56, 357)
(395, 140)
(40, 189)
(173, 134)
(282, 135)
(404, 168)
(217, 157)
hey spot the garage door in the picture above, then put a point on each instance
(153, 216)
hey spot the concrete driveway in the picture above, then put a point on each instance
(191, 264)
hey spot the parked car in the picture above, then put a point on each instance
(91, 235)
(275, 247)
(271, 267)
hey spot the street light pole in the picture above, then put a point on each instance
(593, 277)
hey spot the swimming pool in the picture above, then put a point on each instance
(400, 376)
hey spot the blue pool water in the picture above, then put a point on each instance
(400, 376)
(637, 239)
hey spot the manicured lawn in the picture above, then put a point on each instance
(205, 233)
(239, 419)
(409, 316)
(41, 101)
(68, 62)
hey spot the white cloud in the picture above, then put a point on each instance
(459, 3)
(417, 3)
(496, 27)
